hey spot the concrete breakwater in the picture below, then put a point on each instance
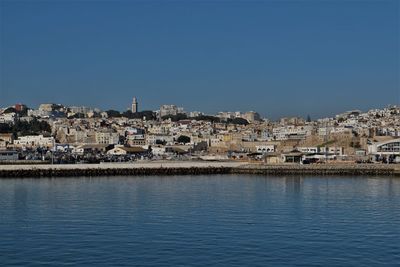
(113, 169)
(323, 169)
(114, 172)
(193, 168)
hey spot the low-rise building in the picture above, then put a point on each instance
(122, 150)
(8, 155)
(91, 148)
(6, 139)
(34, 141)
(107, 138)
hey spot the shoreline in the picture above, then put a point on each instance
(193, 168)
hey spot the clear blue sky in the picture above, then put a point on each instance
(276, 57)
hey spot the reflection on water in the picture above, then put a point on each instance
(201, 220)
(20, 202)
(293, 185)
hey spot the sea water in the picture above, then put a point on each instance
(219, 220)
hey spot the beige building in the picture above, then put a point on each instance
(251, 116)
(273, 158)
(107, 138)
(6, 139)
(126, 150)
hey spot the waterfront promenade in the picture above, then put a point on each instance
(193, 168)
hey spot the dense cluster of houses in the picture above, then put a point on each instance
(351, 136)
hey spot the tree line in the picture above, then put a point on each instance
(182, 116)
(22, 128)
(148, 114)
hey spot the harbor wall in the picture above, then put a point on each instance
(194, 168)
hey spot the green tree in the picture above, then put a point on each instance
(206, 118)
(239, 121)
(10, 110)
(183, 139)
(177, 117)
(148, 114)
(161, 142)
(5, 128)
(96, 115)
(113, 113)
(34, 127)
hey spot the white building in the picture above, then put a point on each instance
(153, 139)
(292, 132)
(323, 131)
(8, 117)
(337, 151)
(34, 141)
(266, 135)
(226, 115)
(194, 114)
(313, 149)
(266, 148)
(83, 110)
(391, 147)
(47, 107)
(39, 113)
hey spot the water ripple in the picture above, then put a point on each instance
(227, 220)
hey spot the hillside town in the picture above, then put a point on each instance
(59, 134)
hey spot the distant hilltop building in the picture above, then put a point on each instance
(20, 107)
(51, 107)
(170, 110)
(134, 105)
(47, 107)
(250, 116)
(82, 110)
(48, 110)
(292, 121)
(166, 110)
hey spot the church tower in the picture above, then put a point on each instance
(134, 105)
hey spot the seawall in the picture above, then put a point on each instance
(194, 168)
(323, 169)
(113, 169)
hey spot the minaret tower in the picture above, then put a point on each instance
(134, 105)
